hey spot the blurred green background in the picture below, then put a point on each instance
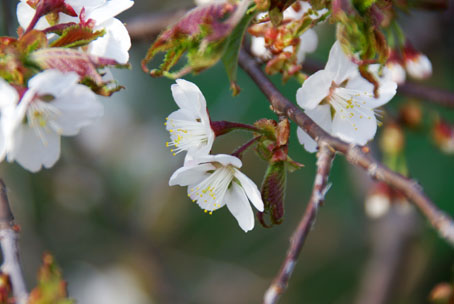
(122, 235)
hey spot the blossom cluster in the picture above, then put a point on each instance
(212, 180)
(51, 74)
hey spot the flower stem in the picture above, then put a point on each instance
(239, 152)
(223, 127)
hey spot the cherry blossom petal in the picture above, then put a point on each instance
(239, 206)
(109, 10)
(314, 89)
(188, 96)
(8, 95)
(321, 115)
(339, 64)
(223, 159)
(251, 189)
(386, 91)
(25, 14)
(115, 43)
(189, 175)
(32, 151)
(258, 48)
(358, 129)
(308, 41)
(78, 108)
(52, 82)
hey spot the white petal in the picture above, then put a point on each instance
(226, 160)
(239, 206)
(397, 72)
(53, 82)
(188, 96)
(259, 49)
(251, 189)
(308, 41)
(2, 144)
(181, 114)
(309, 144)
(314, 89)
(321, 115)
(32, 152)
(339, 64)
(115, 43)
(109, 10)
(78, 108)
(386, 91)
(25, 14)
(185, 176)
(8, 95)
(358, 129)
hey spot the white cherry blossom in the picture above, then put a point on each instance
(214, 181)
(189, 127)
(115, 43)
(54, 105)
(341, 101)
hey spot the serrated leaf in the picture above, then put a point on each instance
(31, 41)
(230, 57)
(76, 35)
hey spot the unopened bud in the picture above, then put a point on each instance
(392, 139)
(378, 200)
(417, 64)
(411, 114)
(441, 293)
(443, 135)
(395, 66)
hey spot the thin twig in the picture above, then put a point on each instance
(9, 245)
(324, 161)
(438, 96)
(354, 154)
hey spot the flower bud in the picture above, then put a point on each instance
(441, 293)
(411, 114)
(417, 64)
(378, 201)
(392, 140)
(443, 135)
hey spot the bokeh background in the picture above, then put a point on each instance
(122, 235)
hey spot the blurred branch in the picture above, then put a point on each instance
(391, 238)
(9, 245)
(324, 161)
(438, 96)
(147, 26)
(354, 154)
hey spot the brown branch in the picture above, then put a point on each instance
(438, 96)
(354, 154)
(324, 161)
(9, 245)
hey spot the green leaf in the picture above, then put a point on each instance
(230, 57)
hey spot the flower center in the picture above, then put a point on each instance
(349, 104)
(186, 134)
(42, 116)
(210, 192)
